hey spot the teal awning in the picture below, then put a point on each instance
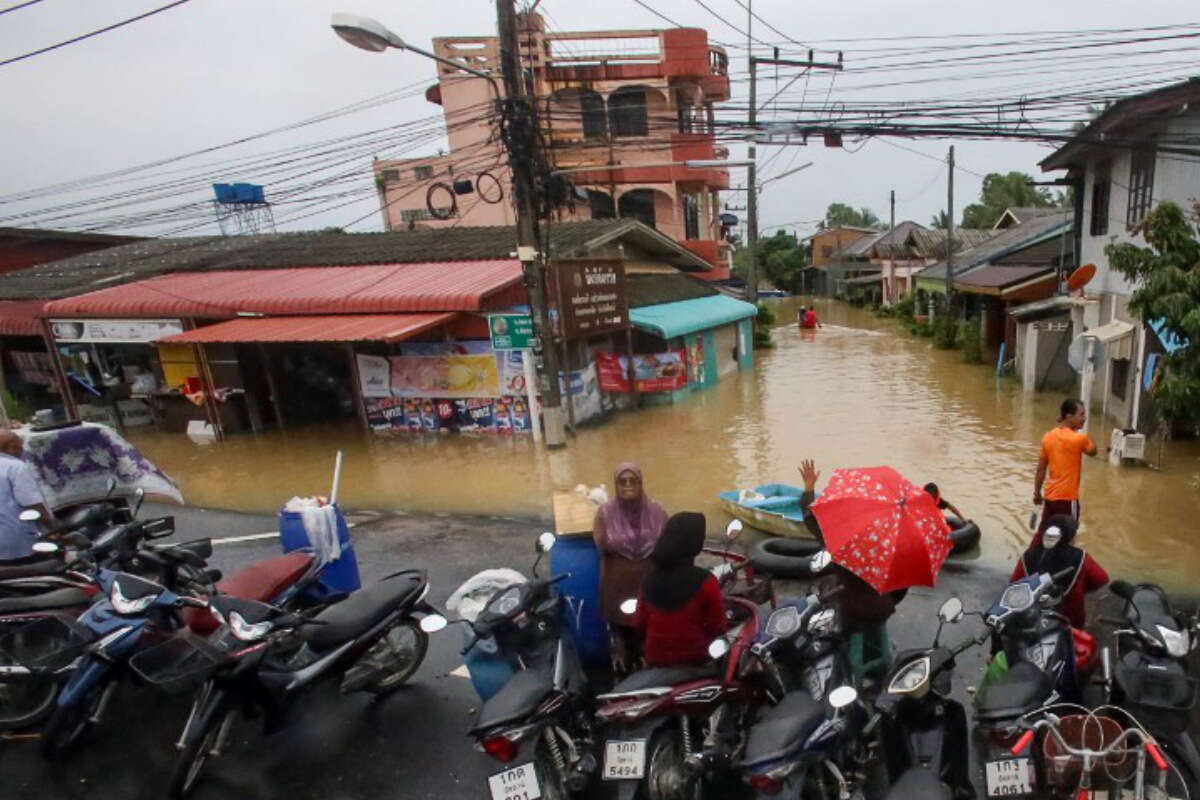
(670, 320)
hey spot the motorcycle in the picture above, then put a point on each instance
(1044, 668)
(263, 659)
(1148, 673)
(924, 730)
(665, 724)
(541, 719)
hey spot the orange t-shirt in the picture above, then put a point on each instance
(1063, 450)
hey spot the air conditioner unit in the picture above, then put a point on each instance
(1135, 446)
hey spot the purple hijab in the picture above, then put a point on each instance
(632, 528)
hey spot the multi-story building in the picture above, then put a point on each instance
(621, 109)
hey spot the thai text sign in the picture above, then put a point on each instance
(593, 297)
(660, 372)
(511, 331)
(116, 331)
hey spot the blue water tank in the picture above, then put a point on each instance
(578, 556)
(339, 576)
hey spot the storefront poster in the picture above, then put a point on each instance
(660, 372)
(512, 372)
(518, 411)
(451, 376)
(412, 414)
(587, 400)
(385, 413)
(114, 331)
(475, 415)
(374, 373)
(695, 361)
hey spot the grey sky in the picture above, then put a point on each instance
(215, 70)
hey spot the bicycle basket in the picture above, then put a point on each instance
(1082, 731)
(178, 665)
(46, 645)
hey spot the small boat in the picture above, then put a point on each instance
(773, 508)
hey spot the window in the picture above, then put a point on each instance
(685, 112)
(424, 173)
(627, 112)
(1101, 189)
(638, 204)
(1120, 376)
(826, 250)
(390, 174)
(691, 216)
(1141, 186)
(594, 118)
(601, 205)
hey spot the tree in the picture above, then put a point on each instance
(940, 221)
(781, 259)
(1004, 191)
(842, 214)
(1167, 274)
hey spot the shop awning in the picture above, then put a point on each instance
(1115, 335)
(20, 317)
(670, 320)
(333, 328)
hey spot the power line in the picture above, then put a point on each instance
(19, 6)
(96, 32)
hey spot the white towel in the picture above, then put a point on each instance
(321, 528)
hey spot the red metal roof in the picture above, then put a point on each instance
(375, 289)
(20, 317)
(347, 328)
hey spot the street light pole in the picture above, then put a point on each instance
(950, 231)
(519, 132)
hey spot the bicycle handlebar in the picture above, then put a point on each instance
(1118, 744)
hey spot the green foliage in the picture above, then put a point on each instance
(762, 327)
(970, 341)
(781, 260)
(940, 221)
(842, 214)
(905, 307)
(945, 331)
(15, 407)
(1005, 191)
(1167, 274)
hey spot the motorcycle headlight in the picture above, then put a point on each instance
(911, 678)
(1017, 597)
(246, 631)
(783, 622)
(507, 601)
(1178, 643)
(123, 605)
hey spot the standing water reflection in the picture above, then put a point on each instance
(857, 392)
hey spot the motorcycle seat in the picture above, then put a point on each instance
(515, 700)
(361, 610)
(1022, 688)
(31, 569)
(262, 581)
(656, 677)
(57, 598)
(918, 783)
(1152, 608)
(783, 729)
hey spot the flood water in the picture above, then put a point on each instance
(860, 392)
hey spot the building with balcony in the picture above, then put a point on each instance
(621, 109)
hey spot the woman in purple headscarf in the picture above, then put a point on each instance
(626, 530)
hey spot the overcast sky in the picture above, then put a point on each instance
(211, 71)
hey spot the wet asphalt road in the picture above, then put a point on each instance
(412, 744)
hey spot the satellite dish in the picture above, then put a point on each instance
(1078, 349)
(1080, 277)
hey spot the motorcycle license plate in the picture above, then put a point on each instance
(518, 783)
(1011, 777)
(624, 759)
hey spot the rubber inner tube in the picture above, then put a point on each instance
(785, 557)
(963, 533)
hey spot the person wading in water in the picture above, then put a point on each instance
(1060, 465)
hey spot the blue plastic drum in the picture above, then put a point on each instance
(339, 576)
(578, 556)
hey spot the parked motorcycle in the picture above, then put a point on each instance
(265, 657)
(540, 721)
(924, 731)
(1147, 672)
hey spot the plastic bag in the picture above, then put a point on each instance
(471, 597)
(996, 670)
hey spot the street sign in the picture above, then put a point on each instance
(511, 331)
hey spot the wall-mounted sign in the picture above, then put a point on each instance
(375, 375)
(511, 331)
(113, 331)
(593, 297)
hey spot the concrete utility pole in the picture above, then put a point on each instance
(752, 153)
(892, 243)
(520, 118)
(950, 231)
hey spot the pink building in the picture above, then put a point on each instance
(629, 103)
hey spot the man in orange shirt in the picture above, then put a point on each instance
(1062, 455)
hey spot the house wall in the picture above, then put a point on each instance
(826, 243)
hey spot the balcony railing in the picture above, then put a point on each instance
(718, 61)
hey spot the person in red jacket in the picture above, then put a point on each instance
(680, 608)
(1055, 552)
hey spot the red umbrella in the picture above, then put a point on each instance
(883, 528)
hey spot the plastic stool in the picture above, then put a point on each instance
(870, 654)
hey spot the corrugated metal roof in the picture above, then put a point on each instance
(994, 277)
(442, 286)
(1004, 243)
(669, 320)
(330, 328)
(20, 317)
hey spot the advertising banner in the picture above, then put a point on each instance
(586, 398)
(375, 375)
(512, 372)
(114, 331)
(660, 372)
(450, 376)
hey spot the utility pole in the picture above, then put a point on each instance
(752, 152)
(891, 284)
(950, 231)
(893, 205)
(520, 120)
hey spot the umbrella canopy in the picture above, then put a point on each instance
(883, 528)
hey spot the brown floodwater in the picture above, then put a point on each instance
(860, 392)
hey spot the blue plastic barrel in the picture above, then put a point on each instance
(578, 556)
(339, 576)
(488, 667)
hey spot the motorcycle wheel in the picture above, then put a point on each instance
(667, 776)
(190, 762)
(69, 726)
(398, 655)
(26, 702)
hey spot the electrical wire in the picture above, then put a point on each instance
(91, 34)
(19, 6)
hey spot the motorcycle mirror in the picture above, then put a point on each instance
(842, 696)
(951, 611)
(546, 542)
(629, 606)
(110, 486)
(820, 561)
(30, 515)
(1121, 589)
(717, 649)
(733, 530)
(432, 623)
(45, 547)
